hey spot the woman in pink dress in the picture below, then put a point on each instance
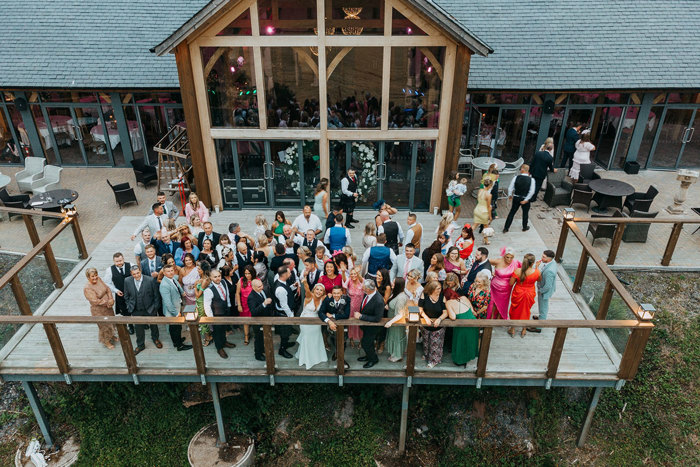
(501, 287)
(245, 287)
(353, 285)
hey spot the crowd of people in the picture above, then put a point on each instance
(307, 267)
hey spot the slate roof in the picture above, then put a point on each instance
(595, 44)
(538, 44)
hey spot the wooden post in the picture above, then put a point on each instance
(562, 241)
(615, 244)
(79, 240)
(671, 245)
(48, 252)
(198, 349)
(269, 349)
(605, 301)
(411, 350)
(404, 420)
(483, 352)
(581, 271)
(59, 352)
(634, 349)
(555, 354)
(20, 296)
(39, 413)
(589, 416)
(217, 413)
(340, 349)
(127, 349)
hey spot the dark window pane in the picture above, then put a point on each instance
(238, 27)
(402, 26)
(650, 127)
(295, 17)
(416, 83)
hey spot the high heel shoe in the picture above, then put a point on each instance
(523, 332)
(246, 340)
(511, 331)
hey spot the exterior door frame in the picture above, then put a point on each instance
(659, 127)
(523, 131)
(618, 132)
(565, 121)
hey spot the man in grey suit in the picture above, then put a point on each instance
(171, 294)
(169, 209)
(406, 262)
(142, 299)
(151, 264)
(546, 285)
(154, 222)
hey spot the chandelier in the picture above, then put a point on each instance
(329, 32)
(352, 13)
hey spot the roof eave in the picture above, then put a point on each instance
(190, 26)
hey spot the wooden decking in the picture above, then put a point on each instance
(588, 355)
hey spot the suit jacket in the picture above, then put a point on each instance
(340, 312)
(541, 162)
(471, 275)
(161, 247)
(171, 298)
(146, 266)
(171, 212)
(150, 222)
(256, 307)
(374, 309)
(215, 237)
(148, 294)
(547, 286)
(398, 269)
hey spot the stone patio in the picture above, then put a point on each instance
(99, 213)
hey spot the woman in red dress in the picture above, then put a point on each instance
(525, 278)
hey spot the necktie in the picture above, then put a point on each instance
(160, 224)
(121, 271)
(177, 286)
(405, 268)
(364, 302)
(138, 286)
(152, 267)
(165, 210)
(262, 294)
(221, 291)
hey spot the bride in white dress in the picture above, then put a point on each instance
(311, 349)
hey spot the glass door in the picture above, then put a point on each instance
(690, 157)
(509, 134)
(675, 133)
(397, 171)
(572, 117)
(604, 132)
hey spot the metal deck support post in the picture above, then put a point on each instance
(38, 410)
(589, 416)
(217, 411)
(404, 420)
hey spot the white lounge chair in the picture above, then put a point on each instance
(33, 169)
(50, 181)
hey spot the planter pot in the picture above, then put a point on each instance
(66, 457)
(632, 167)
(204, 452)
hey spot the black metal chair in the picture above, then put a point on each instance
(582, 195)
(638, 233)
(123, 193)
(603, 230)
(143, 172)
(558, 189)
(14, 201)
(587, 173)
(641, 201)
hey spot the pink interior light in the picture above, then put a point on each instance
(409, 31)
(233, 69)
(270, 30)
(430, 69)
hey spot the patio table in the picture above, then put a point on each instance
(484, 163)
(609, 193)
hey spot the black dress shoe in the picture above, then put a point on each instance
(538, 330)
(230, 345)
(138, 350)
(158, 344)
(505, 230)
(131, 329)
(535, 317)
(347, 366)
(222, 353)
(260, 358)
(289, 345)
(369, 364)
(285, 354)
(362, 359)
(526, 228)
(349, 226)
(184, 347)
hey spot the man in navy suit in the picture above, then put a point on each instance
(541, 162)
(151, 264)
(372, 310)
(259, 304)
(481, 262)
(337, 306)
(166, 245)
(208, 233)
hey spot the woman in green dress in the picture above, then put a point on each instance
(465, 341)
(200, 286)
(396, 336)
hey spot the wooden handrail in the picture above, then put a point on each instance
(32, 212)
(637, 220)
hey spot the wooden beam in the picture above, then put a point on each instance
(340, 349)
(453, 132)
(438, 66)
(48, 252)
(411, 350)
(484, 352)
(127, 349)
(20, 296)
(198, 349)
(632, 356)
(555, 354)
(269, 350)
(671, 245)
(57, 349)
(580, 271)
(78, 235)
(323, 144)
(615, 243)
(336, 61)
(212, 60)
(183, 59)
(562, 242)
(605, 300)
(308, 59)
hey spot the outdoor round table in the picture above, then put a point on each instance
(53, 199)
(609, 193)
(484, 163)
(4, 180)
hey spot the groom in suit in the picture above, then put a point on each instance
(541, 162)
(259, 304)
(481, 262)
(142, 299)
(151, 264)
(171, 294)
(372, 310)
(406, 262)
(546, 286)
(337, 306)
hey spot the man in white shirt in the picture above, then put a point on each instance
(378, 257)
(217, 302)
(307, 221)
(337, 236)
(520, 192)
(414, 232)
(153, 222)
(393, 231)
(114, 277)
(407, 262)
(284, 301)
(140, 248)
(348, 196)
(169, 209)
